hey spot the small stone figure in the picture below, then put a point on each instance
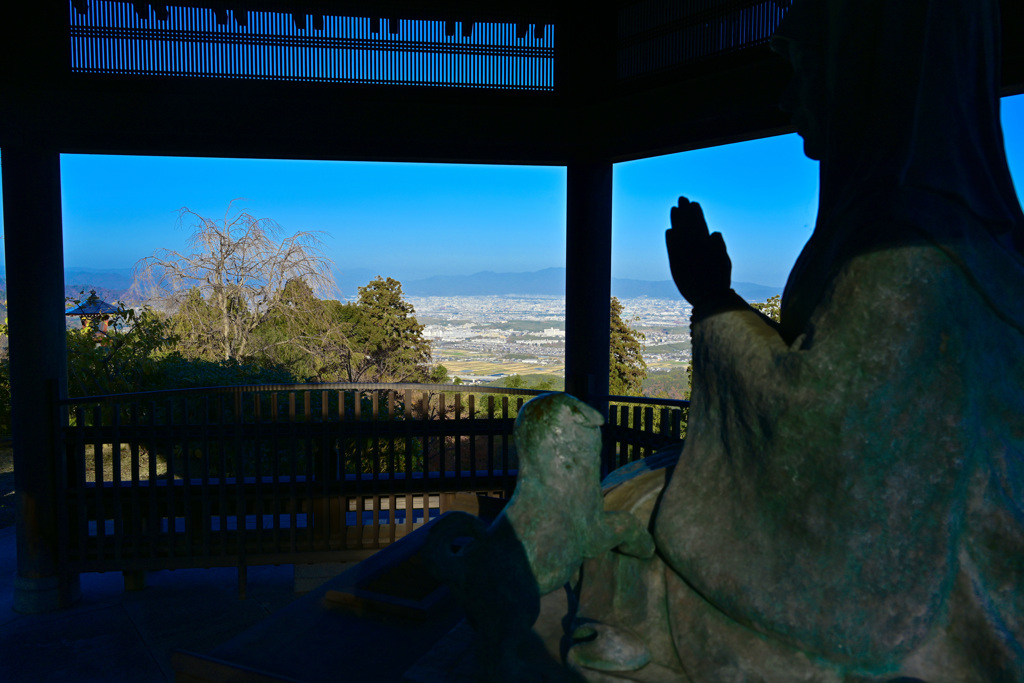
(554, 520)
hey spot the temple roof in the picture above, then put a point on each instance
(93, 306)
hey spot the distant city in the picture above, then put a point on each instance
(481, 334)
(485, 338)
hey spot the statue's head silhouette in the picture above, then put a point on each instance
(900, 102)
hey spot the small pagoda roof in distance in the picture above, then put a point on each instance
(92, 306)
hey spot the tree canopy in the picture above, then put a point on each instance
(385, 340)
(229, 283)
(627, 366)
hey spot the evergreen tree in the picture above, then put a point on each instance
(628, 368)
(386, 342)
(307, 335)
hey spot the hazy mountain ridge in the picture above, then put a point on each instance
(551, 282)
(111, 284)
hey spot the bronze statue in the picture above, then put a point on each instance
(849, 503)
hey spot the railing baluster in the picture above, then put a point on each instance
(357, 469)
(425, 447)
(635, 424)
(80, 484)
(257, 474)
(458, 440)
(168, 434)
(375, 436)
(506, 493)
(389, 398)
(649, 429)
(118, 511)
(472, 442)
(407, 424)
(186, 475)
(222, 467)
(205, 505)
(153, 523)
(135, 520)
(304, 446)
(442, 442)
(97, 478)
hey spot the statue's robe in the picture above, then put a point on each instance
(849, 503)
(836, 492)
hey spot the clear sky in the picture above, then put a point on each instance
(415, 220)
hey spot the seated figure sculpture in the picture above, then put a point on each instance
(849, 502)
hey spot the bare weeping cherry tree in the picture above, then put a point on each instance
(229, 281)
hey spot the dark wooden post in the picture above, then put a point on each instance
(588, 281)
(35, 303)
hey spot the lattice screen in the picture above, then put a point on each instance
(661, 34)
(112, 37)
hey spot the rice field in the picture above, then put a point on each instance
(485, 367)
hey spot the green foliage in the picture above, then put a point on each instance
(547, 383)
(5, 395)
(176, 372)
(771, 308)
(537, 381)
(386, 342)
(306, 335)
(124, 359)
(627, 366)
(438, 375)
(677, 347)
(194, 327)
(674, 384)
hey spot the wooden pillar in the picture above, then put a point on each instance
(588, 281)
(35, 304)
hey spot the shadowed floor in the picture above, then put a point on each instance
(113, 635)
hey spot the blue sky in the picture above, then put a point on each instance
(415, 220)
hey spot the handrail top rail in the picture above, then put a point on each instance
(647, 400)
(325, 386)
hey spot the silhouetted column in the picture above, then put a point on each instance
(35, 307)
(588, 278)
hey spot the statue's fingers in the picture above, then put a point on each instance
(697, 217)
(688, 218)
(718, 242)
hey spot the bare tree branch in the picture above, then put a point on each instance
(228, 284)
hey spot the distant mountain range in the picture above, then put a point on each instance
(546, 282)
(111, 283)
(107, 278)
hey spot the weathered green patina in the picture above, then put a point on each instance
(849, 503)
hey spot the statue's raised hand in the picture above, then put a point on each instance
(700, 264)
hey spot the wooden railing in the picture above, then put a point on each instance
(237, 476)
(639, 426)
(248, 475)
